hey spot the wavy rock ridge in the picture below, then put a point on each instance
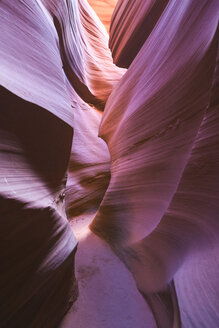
(154, 175)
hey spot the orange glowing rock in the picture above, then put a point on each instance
(104, 10)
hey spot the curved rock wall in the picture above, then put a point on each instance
(158, 164)
(161, 205)
(53, 57)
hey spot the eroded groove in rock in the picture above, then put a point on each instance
(89, 167)
(37, 244)
(132, 23)
(83, 42)
(37, 117)
(156, 210)
(158, 164)
(104, 10)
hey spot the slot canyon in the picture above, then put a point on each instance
(109, 164)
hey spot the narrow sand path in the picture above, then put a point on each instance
(108, 297)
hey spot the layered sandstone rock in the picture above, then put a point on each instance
(158, 164)
(52, 59)
(160, 125)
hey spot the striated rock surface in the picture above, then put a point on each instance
(154, 174)
(89, 167)
(52, 59)
(161, 206)
(132, 22)
(83, 44)
(37, 244)
(104, 10)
